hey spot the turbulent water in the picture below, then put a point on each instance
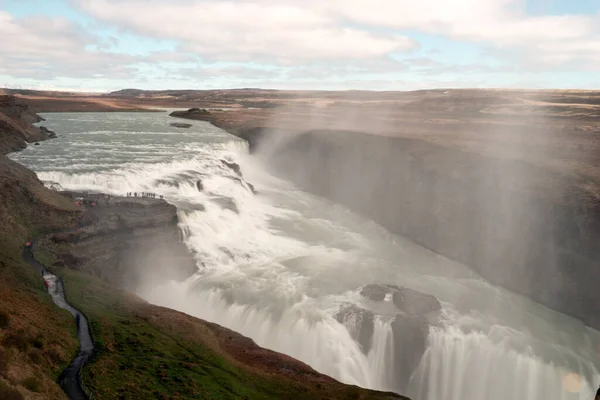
(278, 265)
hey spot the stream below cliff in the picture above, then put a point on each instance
(279, 265)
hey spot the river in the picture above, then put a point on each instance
(277, 266)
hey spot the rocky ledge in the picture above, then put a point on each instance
(126, 241)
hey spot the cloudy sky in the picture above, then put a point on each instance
(102, 45)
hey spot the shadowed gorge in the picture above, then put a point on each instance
(508, 186)
(484, 212)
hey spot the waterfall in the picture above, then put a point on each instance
(471, 366)
(380, 357)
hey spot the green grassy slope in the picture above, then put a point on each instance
(144, 351)
(37, 339)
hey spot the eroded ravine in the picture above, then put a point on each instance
(70, 379)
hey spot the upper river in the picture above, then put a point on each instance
(277, 266)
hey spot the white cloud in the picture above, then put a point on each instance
(498, 21)
(291, 32)
(45, 48)
(553, 40)
(298, 40)
(241, 31)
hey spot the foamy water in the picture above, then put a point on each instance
(278, 265)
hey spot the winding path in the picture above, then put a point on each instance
(70, 379)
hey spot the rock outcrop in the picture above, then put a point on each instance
(180, 125)
(360, 325)
(47, 132)
(407, 300)
(233, 166)
(18, 109)
(410, 313)
(192, 113)
(127, 241)
(16, 129)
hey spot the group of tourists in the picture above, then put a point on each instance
(143, 194)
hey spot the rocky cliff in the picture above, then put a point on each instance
(126, 241)
(527, 228)
(16, 129)
(24, 202)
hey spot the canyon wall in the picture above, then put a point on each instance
(530, 229)
(127, 241)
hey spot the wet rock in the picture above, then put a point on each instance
(415, 302)
(37, 143)
(410, 339)
(410, 327)
(407, 300)
(410, 323)
(227, 203)
(242, 182)
(45, 131)
(234, 166)
(359, 323)
(180, 125)
(199, 185)
(226, 251)
(375, 292)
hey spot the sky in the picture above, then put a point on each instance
(105, 45)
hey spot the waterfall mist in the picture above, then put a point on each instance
(485, 191)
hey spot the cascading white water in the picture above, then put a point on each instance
(380, 356)
(459, 366)
(279, 265)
